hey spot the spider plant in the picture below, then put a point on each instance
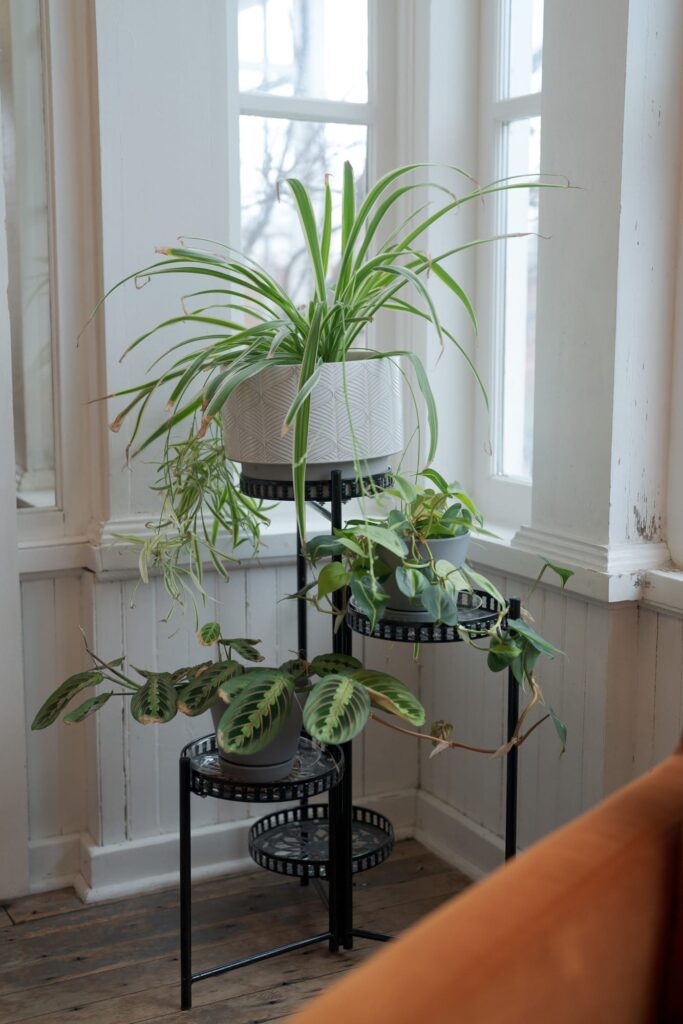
(240, 320)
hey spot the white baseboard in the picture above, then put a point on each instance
(143, 865)
(458, 840)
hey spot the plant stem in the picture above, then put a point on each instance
(453, 744)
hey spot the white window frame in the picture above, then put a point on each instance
(506, 501)
(75, 281)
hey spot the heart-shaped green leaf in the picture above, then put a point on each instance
(440, 604)
(155, 702)
(385, 537)
(88, 707)
(370, 597)
(58, 700)
(324, 664)
(256, 715)
(337, 709)
(410, 582)
(332, 577)
(391, 695)
(522, 628)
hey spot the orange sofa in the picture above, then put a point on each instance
(586, 926)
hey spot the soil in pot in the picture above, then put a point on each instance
(272, 763)
(450, 549)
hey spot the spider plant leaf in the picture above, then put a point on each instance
(256, 715)
(168, 424)
(348, 208)
(324, 664)
(155, 702)
(426, 391)
(88, 707)
(326, 235)
(390, 694)
(301, 396)
(307, 219)
(457, 290)
(300, 445)
(337, 709)
(232, 379)
(58, 700)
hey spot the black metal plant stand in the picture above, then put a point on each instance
(330, 841)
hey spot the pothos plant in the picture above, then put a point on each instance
(239, 321)
(361, 552)
(397, 545)
(338, 695)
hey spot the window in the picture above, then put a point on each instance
(26, 191)
(511, 146)
(304, 110)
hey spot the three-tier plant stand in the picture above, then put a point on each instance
(333, 840)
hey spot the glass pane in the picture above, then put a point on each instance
(523, 151)
(315, 48)
(523, 46)
(273, 149)
(23, 136)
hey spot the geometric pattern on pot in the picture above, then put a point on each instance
(255, 411)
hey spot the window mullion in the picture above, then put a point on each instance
(300, 108)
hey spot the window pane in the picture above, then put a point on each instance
(25, 177)
(315, 48)
(523, 149)
(273, 149)
(523, 45)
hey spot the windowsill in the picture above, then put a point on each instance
(112, 558)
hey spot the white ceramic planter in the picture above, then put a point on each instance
(273, 762)
(356, 411)
(451, 549)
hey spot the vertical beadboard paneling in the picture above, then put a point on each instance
(648, 630)
(391, 760)
(668, 687)
(140, 641)
(70, 657)
(108, 641)
(38, 621)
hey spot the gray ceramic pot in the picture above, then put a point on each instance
(273, 762)
(451, 549)
(362, 393)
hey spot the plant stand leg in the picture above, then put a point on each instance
(301, 623)
(185, 886)
(341, 644)
(513, 755)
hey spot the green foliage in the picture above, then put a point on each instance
(57, 701)
(155, 702)
(88, 707)
(390, 694)
(209, 634)
(337, 709)
(324, 664)
(200, 693)
(255, 716)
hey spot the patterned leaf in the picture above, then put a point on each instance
(88, 707)
(245, 648)
(58, 700)
(390, 694)
(337, 709)
(256, 715)
(296, 668)
(326, 663)
(209, 634)
(155, 702)
(200, 692)
(232, 688)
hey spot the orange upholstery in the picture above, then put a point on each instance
(586, 926)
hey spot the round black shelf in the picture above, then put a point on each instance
(472, 621)
(296, 841)
(316, 769)
(315, 490)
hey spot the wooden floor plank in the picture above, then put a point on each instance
(121, 966)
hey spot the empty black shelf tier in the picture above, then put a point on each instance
(316, 769)
(296, 841)
(477, 612)
(316, 490)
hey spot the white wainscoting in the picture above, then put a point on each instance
(103, 795)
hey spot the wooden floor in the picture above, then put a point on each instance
(117, 962)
